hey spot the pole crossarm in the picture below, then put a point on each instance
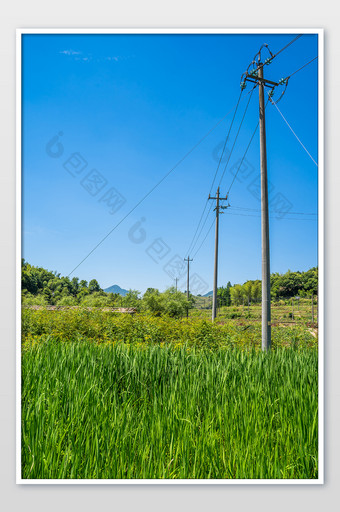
(257, 79)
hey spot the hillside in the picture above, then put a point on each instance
(116, 289)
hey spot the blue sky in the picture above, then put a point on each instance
(125, 109)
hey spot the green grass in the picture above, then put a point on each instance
(104, 410)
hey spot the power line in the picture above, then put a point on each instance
(291, 129)
(151, 190)
(244, 115)
(227, 138)
(192, 244)
(244, 154)
(204, 239)
(272, 57)
(284, 81)
(287, 45)
(231, 151)
(289, 76)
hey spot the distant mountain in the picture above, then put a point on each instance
(209, 294)
(116, 289)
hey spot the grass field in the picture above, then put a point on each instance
(109, 396)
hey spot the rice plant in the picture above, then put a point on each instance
(119, 411)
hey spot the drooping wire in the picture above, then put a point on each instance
(285, 80)
(287, 45)
(243, 157)
(151, 190)
(245, 153)
(289, 76)
(272, 57)
(204, 239)
(238, 131)
(192, 245)
(291, 129)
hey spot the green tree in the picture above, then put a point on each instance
(246, 291)
(153, 301)
(94, 286)
(236, 294)
(256, 291)
(131, 299)
(175, 302)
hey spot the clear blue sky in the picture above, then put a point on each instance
(130, 107)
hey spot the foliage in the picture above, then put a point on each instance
(236, 294)
(287, 285)
(172, 302)
(101, 327)
(49, 288)
(126, 411)
(223, 294)
(291, 284)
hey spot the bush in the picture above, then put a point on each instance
(33, 300)
(96, 300)
(171, 302)
(67, 301)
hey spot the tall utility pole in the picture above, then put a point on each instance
(217, 209)
(188, 282)
(266, 313)
(256, 76)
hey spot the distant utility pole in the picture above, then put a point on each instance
(176, 279)
(218, 209)
(256, 76)
(188, 282)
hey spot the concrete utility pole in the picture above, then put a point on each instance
(188, 282)
(188, 285)
(256, 76)
(217, 209)
(266, 312)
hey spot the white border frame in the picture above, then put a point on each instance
(320, 33)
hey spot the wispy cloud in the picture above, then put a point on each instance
(70, 52)
(88, 57)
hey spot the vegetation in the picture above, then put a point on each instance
(159, 395)
(42, 287)
(118, 411)
(101, 327)
(283, 286)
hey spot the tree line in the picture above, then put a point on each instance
(283, 286)
(43, 287)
